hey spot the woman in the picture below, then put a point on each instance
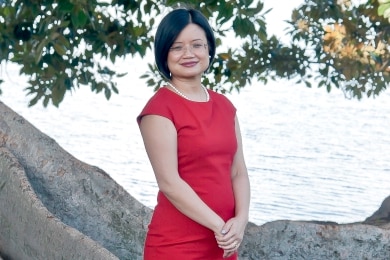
(193, 142)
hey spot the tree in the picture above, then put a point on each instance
(347, 44)
(62, 45)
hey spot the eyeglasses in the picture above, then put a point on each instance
(196, 47)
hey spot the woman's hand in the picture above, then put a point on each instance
(231, 236)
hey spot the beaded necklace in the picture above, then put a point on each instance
(184, 96)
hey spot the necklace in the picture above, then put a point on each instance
(184, 96)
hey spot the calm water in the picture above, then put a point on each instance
(310, 155)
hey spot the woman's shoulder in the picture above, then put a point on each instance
(161, 93)
(221, 98)
(157, 105)
(215, 94)
(161, 98)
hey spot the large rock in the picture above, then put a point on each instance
(79, 195)
(48, 198)
(28, 229)
(314, 240)
(381, 217)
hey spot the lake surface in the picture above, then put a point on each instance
(311, 155)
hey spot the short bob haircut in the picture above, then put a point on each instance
(168, 30)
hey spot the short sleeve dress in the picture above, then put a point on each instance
(206, 146)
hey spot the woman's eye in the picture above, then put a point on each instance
(176, 48)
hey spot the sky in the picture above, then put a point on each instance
(280, 12)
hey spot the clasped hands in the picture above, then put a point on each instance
(230, 237)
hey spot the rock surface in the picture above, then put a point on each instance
(381, 217)
(312, 240)
(60, 200)
(28, 230)
(81, 196)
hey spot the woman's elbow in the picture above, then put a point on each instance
(168, 187)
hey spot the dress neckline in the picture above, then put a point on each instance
(188, 100)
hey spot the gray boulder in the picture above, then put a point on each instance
(80, 196)
(285, 239)
(381, 217)
(28, 230)
(54, 206)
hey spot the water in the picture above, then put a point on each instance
(311, 155)
(314, 155)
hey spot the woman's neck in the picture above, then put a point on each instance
(191, 90)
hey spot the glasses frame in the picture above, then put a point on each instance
(180, 50)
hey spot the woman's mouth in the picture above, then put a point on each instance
(189, 64)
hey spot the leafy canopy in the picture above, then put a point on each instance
(63, 45)
(347, 44)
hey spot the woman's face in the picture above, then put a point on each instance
(188, 56)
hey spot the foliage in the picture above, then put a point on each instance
(384, 8)
(63, 45)
(333, 44)
(347, 44)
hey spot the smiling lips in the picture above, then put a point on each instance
(189, 64)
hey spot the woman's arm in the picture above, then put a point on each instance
(235, 227)
(160, 139)
(240, 180)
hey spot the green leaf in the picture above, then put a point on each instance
(7, 11)
(243, 27)
(114, 88)
(39, 49)
(59, 49)
(120, 75)
(33, 101)
(107, 93)
(58, 92)
(46, 101)
(382, 8)
(79, 19)
(65, 6)
(144, 76)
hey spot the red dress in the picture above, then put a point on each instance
(206, 147)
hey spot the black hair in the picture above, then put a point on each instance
(170, 27)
